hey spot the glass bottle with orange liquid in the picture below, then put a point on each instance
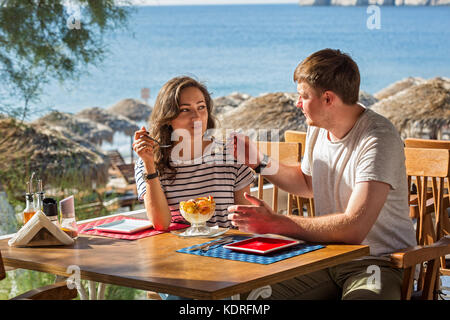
(29, 209)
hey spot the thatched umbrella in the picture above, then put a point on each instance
(227, 103)
(420, 111)
(397, 87)
(132, 109)
(114, 121)
(268, 111)
(74, 127)
(57, 160)
(271, 111)
(366, 98)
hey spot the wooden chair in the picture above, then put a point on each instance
(115, 157)
(427, 144)
(407, 259)
(430, 165)
(118, 168)
(288, 153)
(426, 165)
(56, 291)
(300, 136)
(127, 172)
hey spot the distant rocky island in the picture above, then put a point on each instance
(374, 2)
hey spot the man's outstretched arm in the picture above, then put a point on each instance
(351, 226)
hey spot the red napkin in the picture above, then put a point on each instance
(134, 236)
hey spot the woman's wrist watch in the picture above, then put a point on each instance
(150, 176)
(262, 164)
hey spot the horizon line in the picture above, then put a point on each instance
(222, 2)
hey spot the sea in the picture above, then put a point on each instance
(254, 49)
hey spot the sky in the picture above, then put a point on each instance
(203, 2)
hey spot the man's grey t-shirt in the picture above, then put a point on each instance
(371, 151)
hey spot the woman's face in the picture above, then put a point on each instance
(193, 115)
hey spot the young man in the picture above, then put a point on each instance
(354, 166)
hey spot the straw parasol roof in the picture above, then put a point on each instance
(132, 109)
(114, 121)
(77, 128)
(57, 160)
(227, 103)
(397, 87)
(269, 111)
(420, 111)
(366, 98)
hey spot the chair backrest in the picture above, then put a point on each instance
(300, 136)
(115, 158)
(296, 136)
(288, 153)
(424, 165)
(427, 143)
(127, 172)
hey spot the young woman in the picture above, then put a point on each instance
(189, 168)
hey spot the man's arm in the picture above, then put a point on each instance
(351, 226)
(289, 178)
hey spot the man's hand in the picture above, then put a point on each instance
(255, 218)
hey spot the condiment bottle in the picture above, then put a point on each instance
(40, 197)
(51, 210)
(29, 209)
(68, 222)
(39, 205)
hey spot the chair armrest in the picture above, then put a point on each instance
(56, 291)
(412, 256)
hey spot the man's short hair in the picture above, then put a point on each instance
(332, 70)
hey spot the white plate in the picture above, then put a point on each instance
(125, 226)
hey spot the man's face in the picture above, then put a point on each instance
(311, 105)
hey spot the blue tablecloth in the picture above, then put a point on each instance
(220, 252)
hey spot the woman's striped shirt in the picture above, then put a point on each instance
(213, 174)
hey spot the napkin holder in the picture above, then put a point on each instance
(40, 231)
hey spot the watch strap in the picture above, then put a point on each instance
(262, 164)
(150, 176)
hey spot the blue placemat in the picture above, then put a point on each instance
(220, 252)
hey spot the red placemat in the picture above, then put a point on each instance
(138, 235)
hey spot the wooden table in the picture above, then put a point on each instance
(152, 264)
